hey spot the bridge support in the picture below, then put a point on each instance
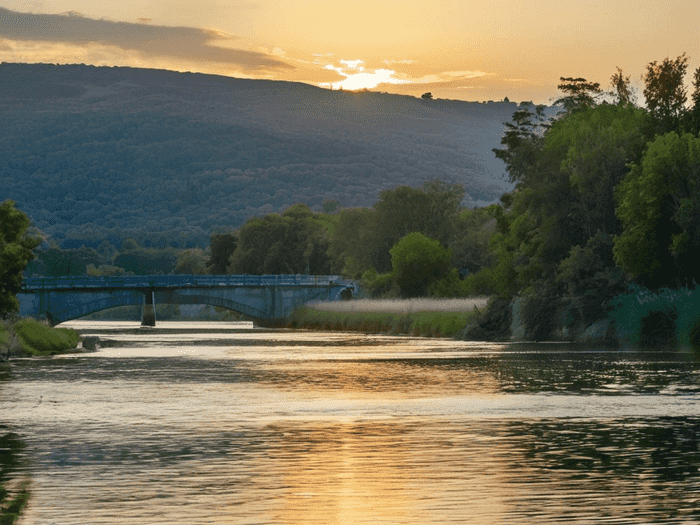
(148, 315)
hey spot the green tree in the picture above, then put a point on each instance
(659, 207)
(222, 246)
(104, 269)
(142, 261)
(579, 93)
(432, 210)
(191, 262)
(291, 243)
(56, 262)
(417, 262)
(694, 113)
(17, 243)
(354, 242)
(665, 92)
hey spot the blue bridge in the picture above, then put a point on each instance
(268, 299)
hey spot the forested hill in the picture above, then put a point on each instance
(84, 149)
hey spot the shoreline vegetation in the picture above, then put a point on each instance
(32, 338)
(418, 317)
(666, 319)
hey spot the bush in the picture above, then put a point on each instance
(659, 328)
(417, 261)
(38, 339)
(493, 323)
(379, 285)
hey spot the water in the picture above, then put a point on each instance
(222, 423)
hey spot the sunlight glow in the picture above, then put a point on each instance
(363, 79)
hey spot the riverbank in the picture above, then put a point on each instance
(418, 317)
(28, 337)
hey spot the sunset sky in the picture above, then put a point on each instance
(455, 49)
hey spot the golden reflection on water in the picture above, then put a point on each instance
(379, 473)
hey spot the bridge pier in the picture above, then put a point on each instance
(148, 314)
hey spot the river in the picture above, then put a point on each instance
(208, 423)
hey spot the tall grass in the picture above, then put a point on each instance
(420, 317)
(38, 339)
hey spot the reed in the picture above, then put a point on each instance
(419, 317)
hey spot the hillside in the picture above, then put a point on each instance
(87, 150)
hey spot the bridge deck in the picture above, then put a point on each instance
(178, 281)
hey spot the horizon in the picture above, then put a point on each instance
(457, 51)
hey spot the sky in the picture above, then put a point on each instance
(454, 49)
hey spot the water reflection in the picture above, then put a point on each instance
(250, 426)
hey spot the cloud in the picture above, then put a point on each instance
(184, 43)
(390, 62)
(448, 76)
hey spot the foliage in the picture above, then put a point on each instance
(104, 269)
(16, 244)
(191, 262)
(470, 247)
(665, 91)
(291, 243)
(221, 246)
(659, 207)
(493, 323)
(432, 210)
(379, 285)
(579, 94)
(39, 339)
(421, 323)
(590, 277)
(55, 262)
(145, 261)
(621, 90)
(417, 261)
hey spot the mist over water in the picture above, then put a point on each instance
(226, 423)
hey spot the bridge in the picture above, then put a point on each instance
(268, 299)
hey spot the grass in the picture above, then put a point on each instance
(31, 337)
(419, 317)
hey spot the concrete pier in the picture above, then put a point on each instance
(148, 314)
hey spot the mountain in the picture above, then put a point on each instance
(90, 150)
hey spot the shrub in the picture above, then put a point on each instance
(38, 339)
(417, 261)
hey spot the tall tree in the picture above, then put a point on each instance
(621, 88)
(659, 207)
(16, 244)
(664, 91)
(222, 246)
(694, 113)
(579, 93)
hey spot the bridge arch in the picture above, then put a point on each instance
(268, 299)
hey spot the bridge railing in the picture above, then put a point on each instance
(178, 281)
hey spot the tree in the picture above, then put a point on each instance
(579, 93)
(222, 246)
(330, 205)
(417, 261)
(694, 113)
(659, 207)
(16, 244)
(432, 210)
(291, 243)
(664, 91)
(191, 262)
(621, 88)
